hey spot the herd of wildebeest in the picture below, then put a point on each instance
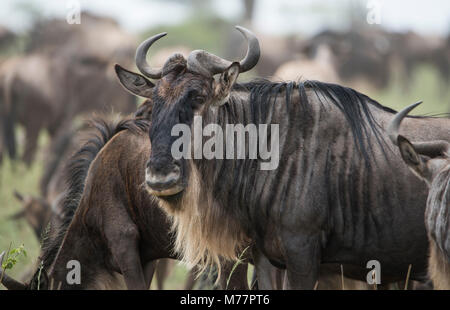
(356, 181)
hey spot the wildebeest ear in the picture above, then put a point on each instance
(135, 83)
(411, 157)
(225, 83)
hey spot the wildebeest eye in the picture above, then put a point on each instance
(199, 99)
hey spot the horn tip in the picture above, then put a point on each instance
(413, 106)
(242, 29)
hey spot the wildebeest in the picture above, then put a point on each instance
(37, 210)
(340, 193)
(109, 222)
(320, 67)
(6, 37)
(95, 35)
(53, 83)
(358, 55)
(40, 211)
(430, 161)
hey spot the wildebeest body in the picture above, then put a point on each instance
(323, 203)
(339, 194)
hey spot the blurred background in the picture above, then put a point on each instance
(57, 56)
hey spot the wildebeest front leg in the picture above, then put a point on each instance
(123, 240)
(266, 273)
(31, 139)
(302, 261)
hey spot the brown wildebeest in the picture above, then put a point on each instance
(340, 193)
(95, 35)
(430, 161)
(357, 55)
(60, 78)
(110, 224)
(321, 67)
(6, 37)
(38, 211)
(42, 92)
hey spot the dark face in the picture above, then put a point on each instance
(176, 98)
(185, 86)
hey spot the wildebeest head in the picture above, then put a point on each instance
(184, 88)
(35, 211)
(425, 159)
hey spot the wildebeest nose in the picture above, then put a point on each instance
(164, 177)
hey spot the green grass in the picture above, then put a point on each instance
(16, 176)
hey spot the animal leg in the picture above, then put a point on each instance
(265, 272)
(124, 244)
(31, 139)
(302, 261)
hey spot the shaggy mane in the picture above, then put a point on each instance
(76, 172)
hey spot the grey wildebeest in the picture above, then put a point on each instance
(60, 77)
(109, 223)
(430, 161)
(340, 193)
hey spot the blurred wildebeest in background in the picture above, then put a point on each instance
(68, 71)
(95, 35)
(430, 161)
(409, 50)
(358, 56)
(6, 37)
(338, 195)
(320, 67)
(39, 210)
(370, 57)
(441, 60)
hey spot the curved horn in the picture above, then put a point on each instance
(432, 148)
(141, 55)
(395, 123)
(209, 64)
(253, 50)
(7, 281)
